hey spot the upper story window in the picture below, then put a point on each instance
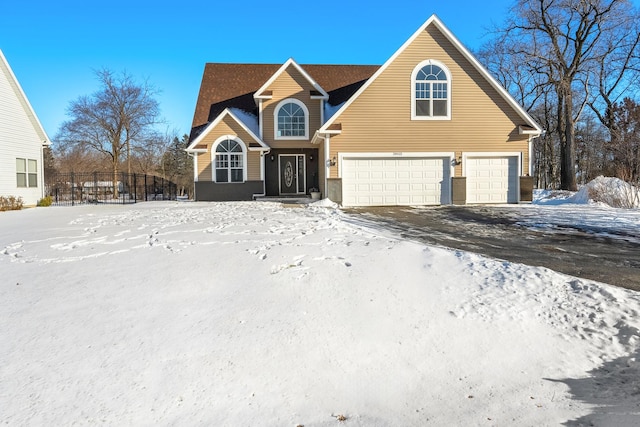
(292, 120)
(229, 160)
(26, 173)
(431, 92)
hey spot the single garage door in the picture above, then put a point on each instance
(492, 179)
(395, 181)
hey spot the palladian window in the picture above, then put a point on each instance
(431, 91)
(229, 161)
(292, 120)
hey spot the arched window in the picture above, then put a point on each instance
(292, 120)
(229, 160)
(431, 91)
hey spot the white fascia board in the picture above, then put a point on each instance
(290, 61)
(486, 74)
(465, 52)
(4, 64)
(535, 132)
(261, 148)
(214, 123)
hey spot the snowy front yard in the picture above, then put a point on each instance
(255, 314)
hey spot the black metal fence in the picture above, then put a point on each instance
(77, 188)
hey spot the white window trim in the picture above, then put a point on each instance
(244, 158)
(306, 120)
(413, 90)
(27, 173)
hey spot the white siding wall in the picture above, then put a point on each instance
(18, 139)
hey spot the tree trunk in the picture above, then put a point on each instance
(568, 152)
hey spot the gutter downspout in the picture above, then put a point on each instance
(327, 163)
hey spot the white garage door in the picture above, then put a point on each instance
(492, 179)
(395, 181)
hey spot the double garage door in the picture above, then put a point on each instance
(389, 181)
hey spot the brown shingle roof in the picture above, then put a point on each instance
(233, 85)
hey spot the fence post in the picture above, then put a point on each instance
(135, 188)
(146, 196)
(73, 189)
(95, 186)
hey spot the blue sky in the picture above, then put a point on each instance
(54, 47)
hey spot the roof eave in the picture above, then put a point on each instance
(284, 66)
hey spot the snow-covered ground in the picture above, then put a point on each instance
(257, 314)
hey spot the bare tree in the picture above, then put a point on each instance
(562, 40)
(617, 70)
(112, 120)
(625, 148)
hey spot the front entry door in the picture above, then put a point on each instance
(292, 174)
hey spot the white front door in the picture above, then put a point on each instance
(380, 181)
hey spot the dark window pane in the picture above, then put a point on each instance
(422, 108)
(222, 175)
(439, 108)
(22, 179)
(236, 175)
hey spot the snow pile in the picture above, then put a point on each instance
(606, 191)
(249, 120)
(253, 313)
(325, 203)
(613, 192)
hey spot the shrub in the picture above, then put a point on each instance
(11, 203)
(45, 201)
(614, 192)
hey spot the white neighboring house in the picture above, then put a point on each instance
(22, 139)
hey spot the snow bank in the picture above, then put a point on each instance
(613, 192)
(252, 313)
(606, 191)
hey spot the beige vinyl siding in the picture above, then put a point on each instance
(204, 166)
(290, 84)
(379, 120)
(228, 126)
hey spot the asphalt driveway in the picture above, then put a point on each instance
(601, 245)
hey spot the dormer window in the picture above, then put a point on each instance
(431, 91)
(292, 120)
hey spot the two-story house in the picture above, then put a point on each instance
(22, 139)
(430, 126)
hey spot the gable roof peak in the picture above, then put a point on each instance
(288, 63)
(246, 120)
(5, 69)
(466, 53)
